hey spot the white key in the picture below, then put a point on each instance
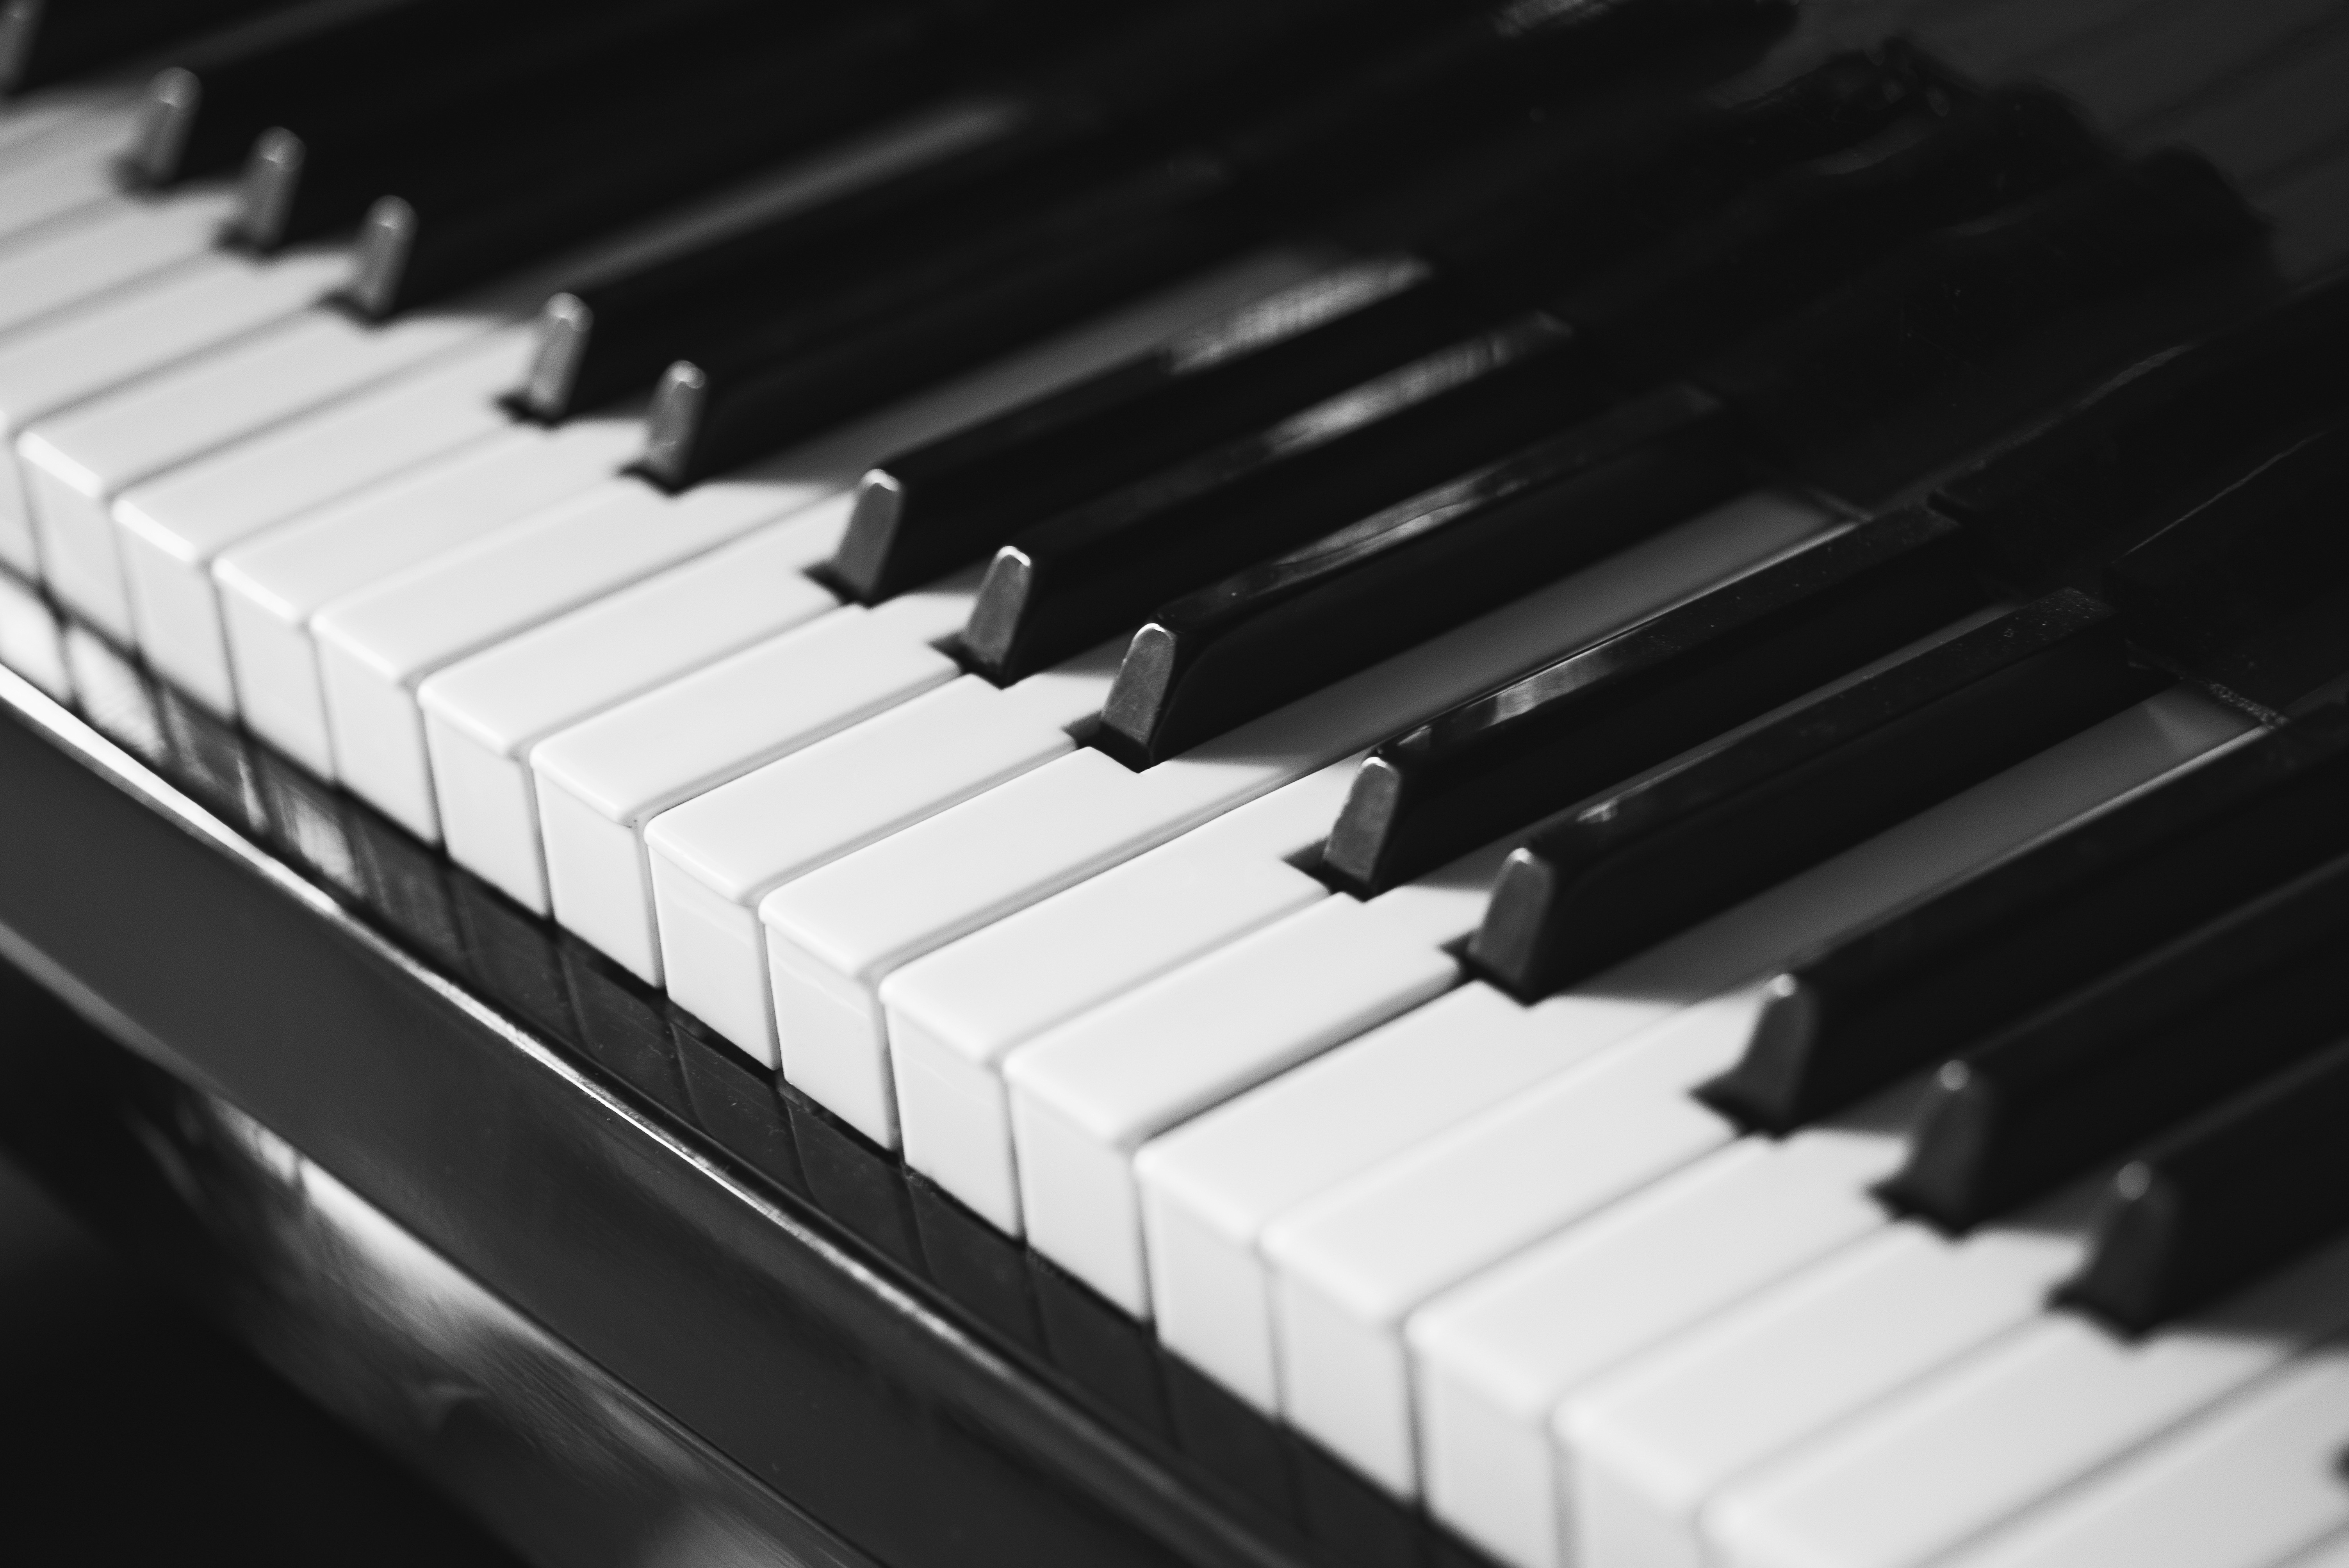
(1349, 1270)
(482, 715)
(77, 462)
(132, 331)
(102, 119)
(272, 586)
(1492, 1359)
(2330, 1553)
(103, 246)
(1970, 1448)
(834, 936)
(599, 782)
(377, 645)
(171, 529)
(1349, 1267)
(1211, 1186)
(61, 168)
(32, 644)
(954, 1016)
(1641, 1452)
(713, 858)
(1086, 1096)
(2255, 1480)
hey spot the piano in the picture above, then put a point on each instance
(1406, 782)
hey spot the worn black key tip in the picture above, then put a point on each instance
(990, 638)
(673, 423)
(1946, 1181)
(167, 117)
(860, 564)
(1774, 1086)
(564, 324)
(379, 261)
(265, 196)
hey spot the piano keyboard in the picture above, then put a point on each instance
(1553, 784)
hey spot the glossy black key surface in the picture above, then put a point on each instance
(1468, 229)
(2055, 502)
(462, 220)
(1095, 571)
(1930, 978)
(1626, 869)
(1162, 77)
(925, 511)
(1846, 388)
(1227, 653)
(45, 41)
(1640, 697)
(1606, 183)
(200, 114)
(748, 395)
(2250, 590)
(2164, 1037)
(1798, 232)
(833, 357)
(320, 169)
(2222, 1200)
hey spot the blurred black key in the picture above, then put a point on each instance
(1931, 978)
(1094, 571)
(1828, 384)
(443, 227)
(2053, 503)
(2171, 1033)
(1798, 232)
(1226, 653)
(2250, 590)
(2235, 1193)
(200, 115)
(45, 41)
(318, 171)
(1041, 134)
(1472, 223)
(925, 511)
(1495, 764)
(1432, 92)
(1621, 871)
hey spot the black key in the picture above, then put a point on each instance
(1839, 387)
(200, 115)
(319, 172)
(833, 356)
(1602, 715)
(45, 41)
(1801, 231)
(2250, 590)
(1931, 978)
(751, 397)
(926, 511)
(452, 223)
(1227, 653)
(2053, 503)
(1604, 186)
(2170, 1035)
(1626, 869)
(2231, 1195)
(1094, 571)
(1062, 128)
